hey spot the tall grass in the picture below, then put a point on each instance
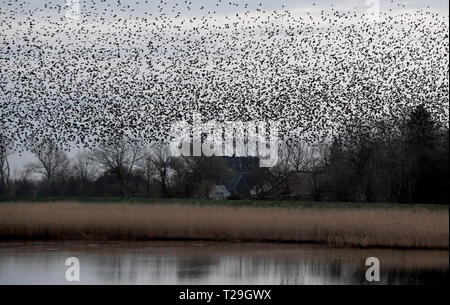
(393, 228)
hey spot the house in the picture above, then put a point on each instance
(233, 183)
(238, 183)
(219, 192)
(236, 179)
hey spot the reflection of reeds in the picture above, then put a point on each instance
(409, 228)
(293, 278)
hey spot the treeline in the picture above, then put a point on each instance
(403, 161)
(407, 162)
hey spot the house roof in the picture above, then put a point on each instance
(236, 181)
(241, 164)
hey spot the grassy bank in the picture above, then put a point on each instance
(392, 228)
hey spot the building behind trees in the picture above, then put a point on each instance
(406, 161)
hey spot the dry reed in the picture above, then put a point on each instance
(391, 228)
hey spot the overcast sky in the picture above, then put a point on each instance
(191, 8)
(199, 7)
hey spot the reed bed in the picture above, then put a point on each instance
(363, 228)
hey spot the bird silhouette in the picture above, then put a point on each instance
(133, 68)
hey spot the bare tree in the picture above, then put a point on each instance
(157, 167)
(293, 157)
(262, 181)
(119, 158)
(51, 162)
(84, 169)
(192, 174)
(4, 165)
(318, 159)
(298, 156)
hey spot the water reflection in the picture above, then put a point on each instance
(214, 263)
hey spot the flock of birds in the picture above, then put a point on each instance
(122, 70)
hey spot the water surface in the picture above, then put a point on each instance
(159, 262)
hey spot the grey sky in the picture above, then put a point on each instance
(191, 8)
(200, 7)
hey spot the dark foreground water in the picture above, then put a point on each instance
(213, 263)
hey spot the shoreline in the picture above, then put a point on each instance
(193, 240)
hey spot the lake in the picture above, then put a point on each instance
(176, 262)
